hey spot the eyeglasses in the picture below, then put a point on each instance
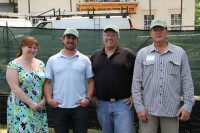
(110, 35)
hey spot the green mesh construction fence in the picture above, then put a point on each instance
(90, 40)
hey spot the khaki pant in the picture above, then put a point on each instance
(167, 124)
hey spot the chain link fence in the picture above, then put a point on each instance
(90, 40)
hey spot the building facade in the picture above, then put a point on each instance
(170, 10)
(179, 14)
(8, 8)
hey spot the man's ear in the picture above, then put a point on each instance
(150, 33)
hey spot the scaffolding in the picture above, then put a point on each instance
(105, 6)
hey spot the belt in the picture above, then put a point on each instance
(110, 99)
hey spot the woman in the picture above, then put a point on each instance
(26, 104)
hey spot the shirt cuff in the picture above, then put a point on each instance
(139, 108)
(188, 108)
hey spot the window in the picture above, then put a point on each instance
(40, 31)
(36, 20)
(47, 25)
(175, 21)
(147, 21)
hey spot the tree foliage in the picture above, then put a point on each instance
(197, 13)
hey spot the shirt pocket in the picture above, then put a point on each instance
(148, 67)
(174, 67)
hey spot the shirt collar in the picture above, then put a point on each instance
(169, 47)
(116, 51)
(60, 54)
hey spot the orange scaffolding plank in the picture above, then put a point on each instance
(102, 6)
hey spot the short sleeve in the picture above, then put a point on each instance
(89, 71)
(49, 70)
(13, 65)
(42, 66)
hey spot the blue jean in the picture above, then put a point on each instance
(115, 117)
(77, 117)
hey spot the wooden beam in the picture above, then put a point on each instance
(104, 6)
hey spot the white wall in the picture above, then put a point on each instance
(40, 6)
(4, 1)
(159, 8)
(164, 9)
(7, 1)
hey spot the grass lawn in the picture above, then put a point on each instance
(51, 130)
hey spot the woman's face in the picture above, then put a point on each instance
(30, 50)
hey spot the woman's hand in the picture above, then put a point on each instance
(41, 104)
(34, 106)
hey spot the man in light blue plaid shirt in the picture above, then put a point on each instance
(162, 77)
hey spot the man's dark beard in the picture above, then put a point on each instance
(70, 48)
